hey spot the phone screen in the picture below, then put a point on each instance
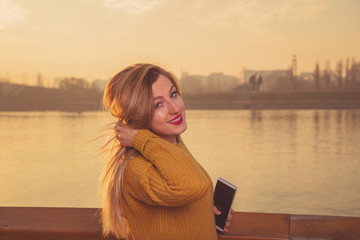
(223, 198)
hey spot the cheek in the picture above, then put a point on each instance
(158, 118)
(181, 103)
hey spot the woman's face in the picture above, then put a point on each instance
(169, 111)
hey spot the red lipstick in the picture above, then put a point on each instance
(177, 120)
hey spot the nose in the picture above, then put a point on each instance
(173, 107)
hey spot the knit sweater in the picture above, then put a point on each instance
(166, 193)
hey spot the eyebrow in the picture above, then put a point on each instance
(171, 89)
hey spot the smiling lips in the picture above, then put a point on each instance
(177, 120)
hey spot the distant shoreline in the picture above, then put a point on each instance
(82, 106)
(27, 98)
(274, 100)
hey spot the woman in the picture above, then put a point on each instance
(153, 187)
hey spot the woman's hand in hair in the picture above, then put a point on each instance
(125, 134)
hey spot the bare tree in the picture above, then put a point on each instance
(259, 82)
(347, 74)
(317, 77)
(339, 72)
(326, 75)
(354, 71)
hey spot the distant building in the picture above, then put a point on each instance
(73, 83)
(10, 89)
(215, 82)
(307, 76)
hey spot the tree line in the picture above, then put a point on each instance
(347, 76)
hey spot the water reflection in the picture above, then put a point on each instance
(256, 116)
(292, 161)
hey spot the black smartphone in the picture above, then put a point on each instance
(223, 198)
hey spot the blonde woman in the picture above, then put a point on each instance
(153, 187)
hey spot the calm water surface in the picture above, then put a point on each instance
(284, 161)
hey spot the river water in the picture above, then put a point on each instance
(282, 161)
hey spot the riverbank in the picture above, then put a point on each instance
(15, 97)
(274, 100)
(27, 98)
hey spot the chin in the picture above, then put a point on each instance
(184, 129)
(181, 128)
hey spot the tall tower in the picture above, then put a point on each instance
(294, 65)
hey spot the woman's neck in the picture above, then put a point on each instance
(170, 139)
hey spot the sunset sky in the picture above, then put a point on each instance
(94, 39)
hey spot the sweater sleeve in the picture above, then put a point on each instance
(165, 174)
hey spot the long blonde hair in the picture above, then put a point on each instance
(128, 96)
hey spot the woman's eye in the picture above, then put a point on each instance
(157, 105)
(174, 94)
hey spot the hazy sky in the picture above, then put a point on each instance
(97, 38)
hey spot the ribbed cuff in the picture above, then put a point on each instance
(141, 137)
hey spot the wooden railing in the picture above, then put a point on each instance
(83, 224)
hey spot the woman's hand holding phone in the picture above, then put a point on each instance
(223, 198)
(228, 220)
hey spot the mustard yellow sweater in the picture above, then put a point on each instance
(166, 193)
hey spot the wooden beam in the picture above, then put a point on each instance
(257, 226)
(42, 223)
(324, 227)
(49, 223)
